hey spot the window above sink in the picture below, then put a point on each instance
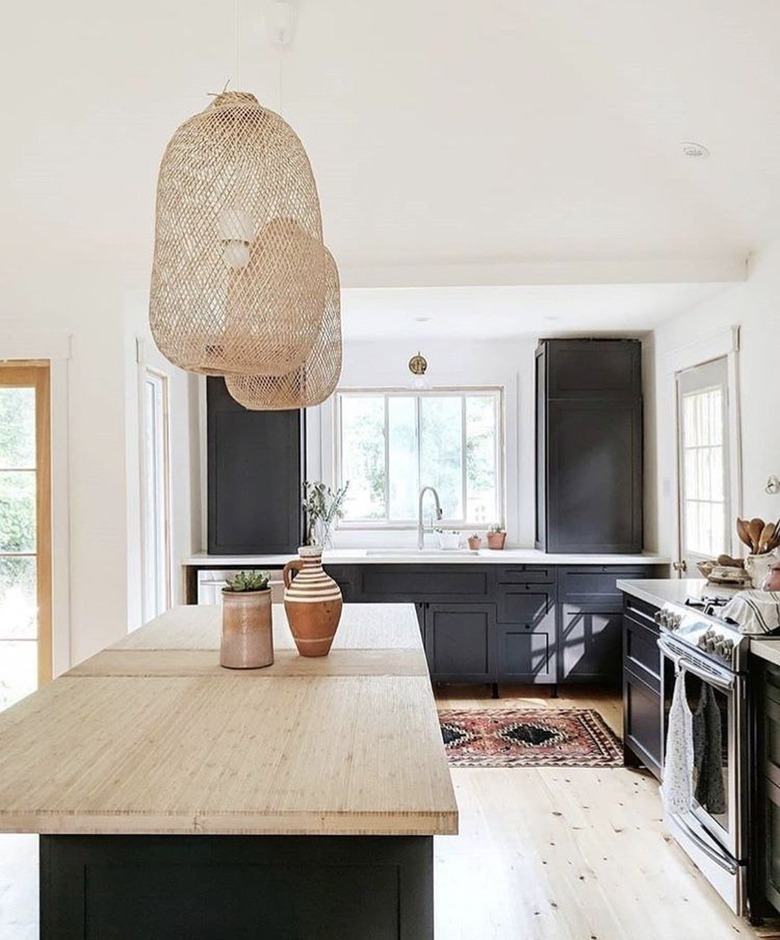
(392, 442)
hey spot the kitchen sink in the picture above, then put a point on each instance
(421, 551)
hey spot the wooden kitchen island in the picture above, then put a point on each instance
(177, 799)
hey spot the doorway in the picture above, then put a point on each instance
(704, 464)
(25, 529)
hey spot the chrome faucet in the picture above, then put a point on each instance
(420, 526)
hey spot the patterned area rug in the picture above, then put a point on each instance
(529, 737)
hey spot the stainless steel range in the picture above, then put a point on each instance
(713, 656)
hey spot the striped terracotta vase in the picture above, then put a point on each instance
(312, 602)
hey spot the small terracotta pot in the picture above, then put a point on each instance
(312, 602)
(247, 634)
(496, 539)
(474, 542)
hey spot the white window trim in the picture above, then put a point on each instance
(725, 343)
(400, 391)
(145, 370)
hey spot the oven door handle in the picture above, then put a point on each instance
(723, 680)
(724, 861)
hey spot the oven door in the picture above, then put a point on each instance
(716, 699)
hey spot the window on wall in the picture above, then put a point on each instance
(390, 443)
(155, 495)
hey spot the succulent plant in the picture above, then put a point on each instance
(247, 581)
(496, 527)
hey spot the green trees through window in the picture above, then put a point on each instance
(393, 442)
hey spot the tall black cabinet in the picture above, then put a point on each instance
(589, 446)
(255, 473)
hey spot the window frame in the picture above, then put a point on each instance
(387, 392)
(161, 593)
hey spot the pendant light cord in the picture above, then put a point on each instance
(238, 45)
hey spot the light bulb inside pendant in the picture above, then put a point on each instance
(236, 231)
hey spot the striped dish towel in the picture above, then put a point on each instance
(755, 611)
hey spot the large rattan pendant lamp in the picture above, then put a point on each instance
(314, 381)
(239, 270)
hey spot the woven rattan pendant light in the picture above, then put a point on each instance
(238, 278)
(314, 381)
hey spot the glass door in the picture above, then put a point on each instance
(25, 530)
(703, 460)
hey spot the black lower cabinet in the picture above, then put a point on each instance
(238, 887)
(643, 701)
(526, 653)
(764, 814)
(459, 642)
(589, 644)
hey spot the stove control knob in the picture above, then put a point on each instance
(702, 643)
(711, 643)
(677, 621)
(658, 616)
(722, 650)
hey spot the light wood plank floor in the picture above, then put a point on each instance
(573, 854)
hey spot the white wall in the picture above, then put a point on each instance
(507, 363)
(755, 308)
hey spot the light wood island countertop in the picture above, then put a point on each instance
(152, 736)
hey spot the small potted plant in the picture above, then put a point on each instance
(474, 542)
(496, 536)
(247, 635)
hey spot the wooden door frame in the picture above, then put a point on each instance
(37, 374)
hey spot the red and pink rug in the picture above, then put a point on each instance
(529, 737)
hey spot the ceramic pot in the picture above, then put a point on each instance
(312, 602)
(758, 566)
(772, 580)
(474, 542)
(496, 539)
(247, 635)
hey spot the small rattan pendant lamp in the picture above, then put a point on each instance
(238, 277)
(314, 381)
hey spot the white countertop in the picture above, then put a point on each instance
(660, 591)
(379, 556)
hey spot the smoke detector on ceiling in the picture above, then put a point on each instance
(691, 149)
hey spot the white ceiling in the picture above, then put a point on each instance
(498, 143)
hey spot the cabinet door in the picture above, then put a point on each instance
(594, 497)
(642, 722)
(590, 644)
(254, 477)
(459, 641)
(772, 847)
(526, 653)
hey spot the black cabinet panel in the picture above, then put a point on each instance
(589, 446)
(459, 641)
(254, 477)
(526, 654)
(595, 584)
(420, 582)
(527, 604)
(640, 650)
(594, 483)
(643, 722)
(590, 644)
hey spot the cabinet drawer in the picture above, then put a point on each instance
(522, 574)
(640, 650)
(526, 604)
(595, 584)
(422, 583)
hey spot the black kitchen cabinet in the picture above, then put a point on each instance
(589, 446)
(590, 620)
(643, 705)
(526, 653)
(460, 642)
(255, 474)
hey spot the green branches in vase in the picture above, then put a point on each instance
(322, 506)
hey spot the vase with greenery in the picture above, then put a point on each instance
(322, 506)
(247, 633)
